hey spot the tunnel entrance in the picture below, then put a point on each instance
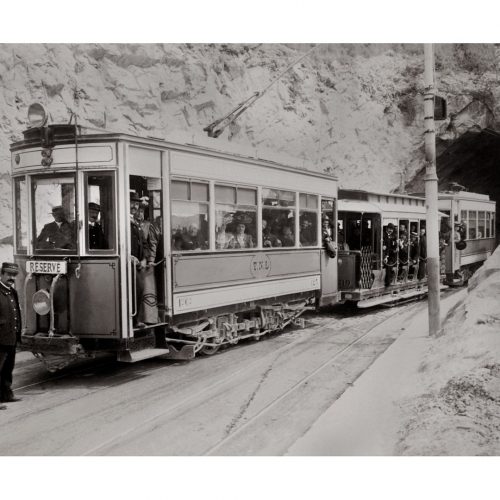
(472, 160)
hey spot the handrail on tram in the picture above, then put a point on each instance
(134, 285)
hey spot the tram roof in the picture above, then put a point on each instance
(89, 135)
(358, 206)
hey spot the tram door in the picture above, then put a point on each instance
(146, 265)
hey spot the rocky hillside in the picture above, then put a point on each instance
(353, 110)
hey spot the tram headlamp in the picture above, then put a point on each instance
(41, 302)
(37, 115)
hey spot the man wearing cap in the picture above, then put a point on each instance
(57, 235)
(10, 330)
(97, 240)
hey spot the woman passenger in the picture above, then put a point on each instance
(241, 239)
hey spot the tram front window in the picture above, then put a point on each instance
(100, 219)
(54, 217)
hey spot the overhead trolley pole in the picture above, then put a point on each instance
(431, 194)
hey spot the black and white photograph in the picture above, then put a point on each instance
(215, 250)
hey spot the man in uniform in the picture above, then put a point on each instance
(97, 240)
(57, 235)
(10, 330)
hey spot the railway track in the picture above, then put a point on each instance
(260, 368)
(151, 407)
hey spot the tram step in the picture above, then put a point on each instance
(128, 356)
(384, 299)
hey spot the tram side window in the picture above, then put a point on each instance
(488, 225)
(21, 214)
(493, 226)
(328, 211)
(189, 215)
(54, 213)
(100, 212)
(235, 217)
(278, 212)
(472, 224)
(308, 217)
(481, 225)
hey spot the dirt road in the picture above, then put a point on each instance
(257, 398)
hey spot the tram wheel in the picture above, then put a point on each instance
(209, 350)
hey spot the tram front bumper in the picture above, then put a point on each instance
(51, 344)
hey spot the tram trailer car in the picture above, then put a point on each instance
(472, 233)
(363, 218)
(242, 244)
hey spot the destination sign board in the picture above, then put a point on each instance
(47, 266)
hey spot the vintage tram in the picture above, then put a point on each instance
(369, 272)
(469, 231)
(230, 246)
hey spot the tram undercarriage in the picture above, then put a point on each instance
(182, 340)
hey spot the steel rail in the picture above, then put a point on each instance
(153, 421)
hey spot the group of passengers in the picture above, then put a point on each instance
(188, 238)
(146, 248)
(60, 234)
(237, 230)
(405, 253)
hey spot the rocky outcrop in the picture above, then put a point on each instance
(353, 110)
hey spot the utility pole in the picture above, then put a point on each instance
(431, 194)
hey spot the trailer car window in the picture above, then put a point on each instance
(472, 224)
(481, 224)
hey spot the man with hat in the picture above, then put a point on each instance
(10, 330)
(328, 237)
(390, 248)
(57, 235)
(97, 240)
(137, 251)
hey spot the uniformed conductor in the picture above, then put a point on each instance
(10, 330)
(97, 240)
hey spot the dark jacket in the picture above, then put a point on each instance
(391, 249)
(97, 240)
(423, 247)
(10, 316)
(136, 240)
(55, 237)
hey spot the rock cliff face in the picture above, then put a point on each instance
(353, 110)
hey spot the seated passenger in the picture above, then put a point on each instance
(223, 237)
(269, 239)
(288, 238)
(307, 234)
(57, 235)
(241, 239)
(189, 239)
